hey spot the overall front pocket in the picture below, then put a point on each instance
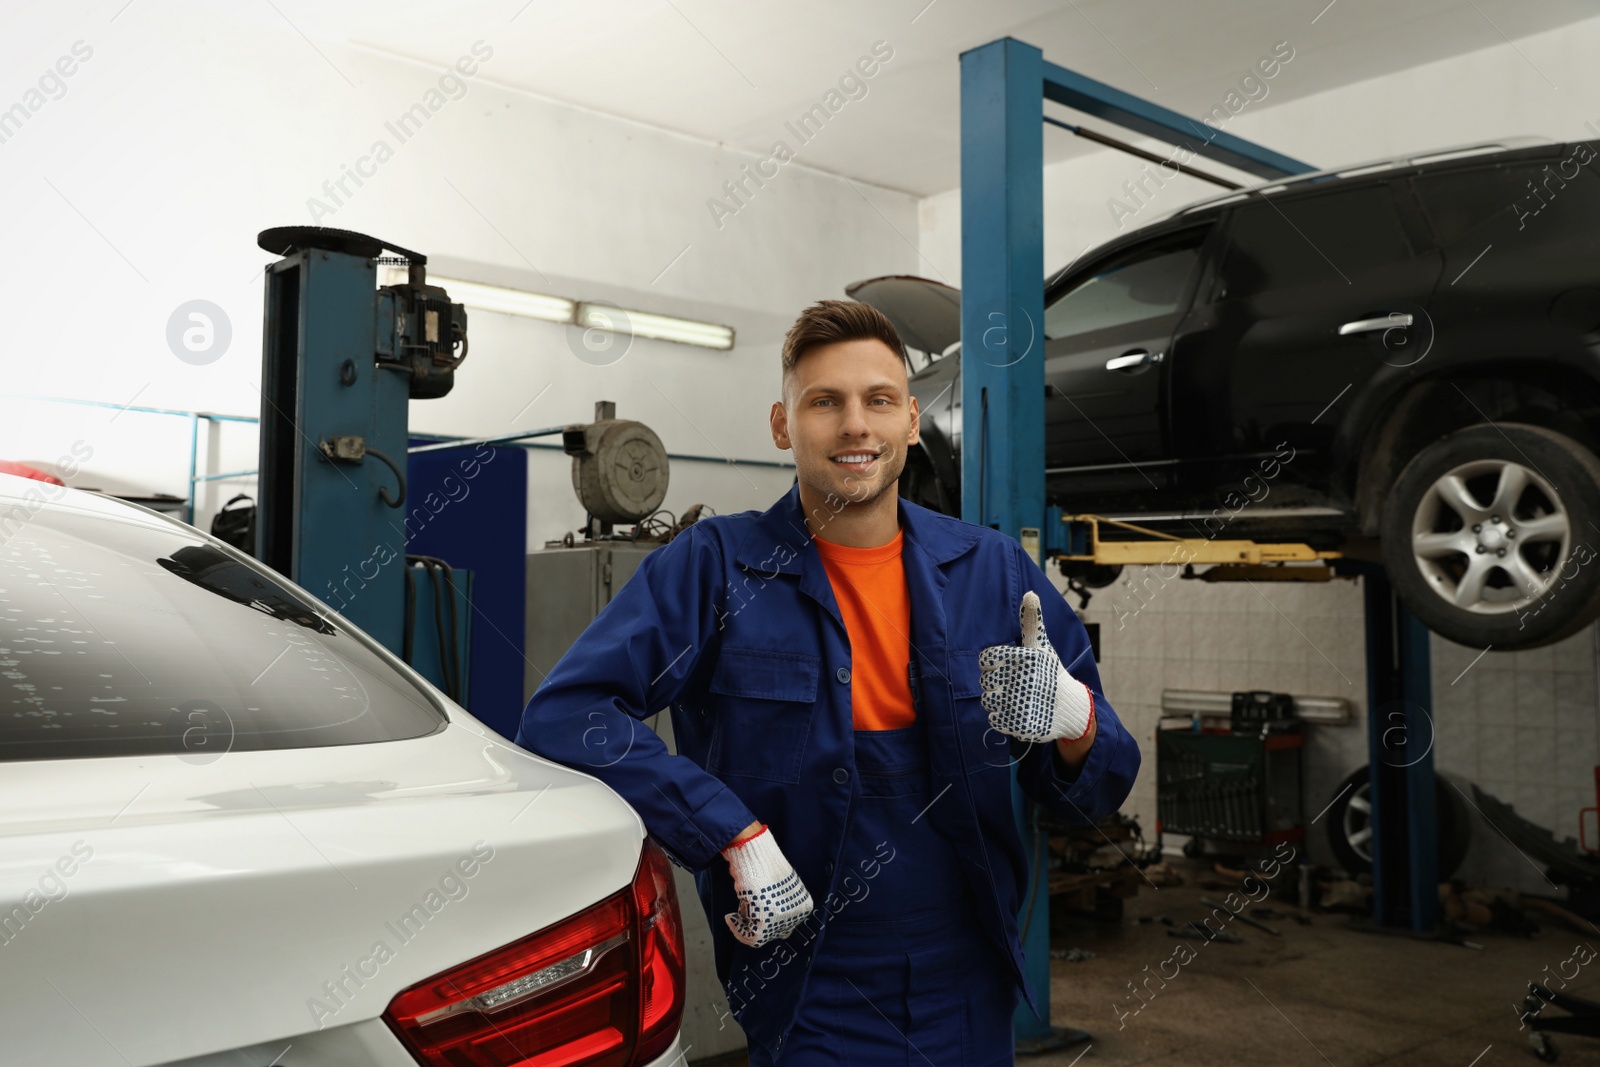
(985, 748)
(763, 702)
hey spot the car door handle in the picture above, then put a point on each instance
(1134, 359)
(1387, 322)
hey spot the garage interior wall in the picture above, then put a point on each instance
(497, 185)
(1519, 724)
(1522, 725)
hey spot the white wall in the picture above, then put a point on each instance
(1522, 725)
(187, 130)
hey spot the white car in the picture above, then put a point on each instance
(237, 832)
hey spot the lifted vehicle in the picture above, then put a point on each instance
(1406, 351)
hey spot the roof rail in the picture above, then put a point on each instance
(1503, 144)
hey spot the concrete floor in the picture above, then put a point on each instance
(1320, 995)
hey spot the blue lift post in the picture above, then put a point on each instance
(1003, 88)
(319, 521)
(1002, 390)
(1400, 735)
(341, 361)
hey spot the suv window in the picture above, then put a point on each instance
(1514, 198)
(1278, 243)
(1141, 284)
(125, 637)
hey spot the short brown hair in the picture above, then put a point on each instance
(829, 322)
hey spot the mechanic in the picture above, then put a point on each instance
(852, 679)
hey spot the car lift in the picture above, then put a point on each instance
(1082, 536)
(341, 359)
(1003, 88)
(1399, 689)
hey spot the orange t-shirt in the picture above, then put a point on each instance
(870, 586)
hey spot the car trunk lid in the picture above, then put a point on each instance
(926, 313)
(266, 894)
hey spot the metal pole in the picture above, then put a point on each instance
(1400, 733)
(1002, 372)
(194, 458)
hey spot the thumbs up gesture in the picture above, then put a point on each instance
(1027, 692)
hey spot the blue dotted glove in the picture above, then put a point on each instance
(1027, 692)
(773, 900)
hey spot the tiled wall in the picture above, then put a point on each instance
(1522, 725)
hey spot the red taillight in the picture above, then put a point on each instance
(604, 988)
(661, 958)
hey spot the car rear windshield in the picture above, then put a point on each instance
(132, 637)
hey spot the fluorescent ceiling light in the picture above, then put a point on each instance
(495, 298)
(660, 327)
(588, 316)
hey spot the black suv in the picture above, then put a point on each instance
(1406, 351)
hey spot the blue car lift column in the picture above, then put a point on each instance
(1003, 88)
(342, 358)
(1002, 388)
(1400, 735)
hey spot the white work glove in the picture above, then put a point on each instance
(1027, 692)
(772, 899)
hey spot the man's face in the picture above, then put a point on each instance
(848, 400)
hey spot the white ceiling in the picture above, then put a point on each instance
(734, 72)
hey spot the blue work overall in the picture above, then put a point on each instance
(903, 975)
(734, 627)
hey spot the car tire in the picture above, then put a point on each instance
(1091, 575)
(1489, 536)
(1350, 824)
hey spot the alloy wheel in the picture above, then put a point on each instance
(1490, 535)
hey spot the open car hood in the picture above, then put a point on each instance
(926, 313)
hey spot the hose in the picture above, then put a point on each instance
(442, 577)
(383, 490)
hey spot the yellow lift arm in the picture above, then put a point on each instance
(1167, 548)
